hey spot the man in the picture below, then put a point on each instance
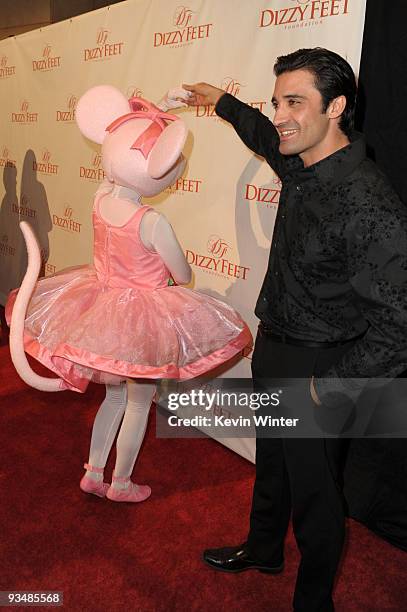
(332, 307)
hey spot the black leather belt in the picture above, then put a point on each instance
(286, 339)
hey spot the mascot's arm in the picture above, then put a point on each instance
(18, 317)
(173, 99)
(157, 235)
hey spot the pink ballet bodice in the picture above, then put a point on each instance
(119, 319)
(120, 257)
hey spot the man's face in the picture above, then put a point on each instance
(302, 127)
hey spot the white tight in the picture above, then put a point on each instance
(130, 402)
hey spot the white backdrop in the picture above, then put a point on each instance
(223, 209)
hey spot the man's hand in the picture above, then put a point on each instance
(314, 393)
(203, 94)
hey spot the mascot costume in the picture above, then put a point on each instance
(120, 321)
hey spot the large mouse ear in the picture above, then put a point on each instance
(97, 108)
(167, 149)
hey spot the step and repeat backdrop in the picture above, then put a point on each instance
(223, 208)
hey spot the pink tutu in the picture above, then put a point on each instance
(119, 318)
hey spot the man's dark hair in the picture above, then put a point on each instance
(333, 77)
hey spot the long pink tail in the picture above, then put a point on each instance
(18, 317)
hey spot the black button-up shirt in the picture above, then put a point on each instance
(338, 258)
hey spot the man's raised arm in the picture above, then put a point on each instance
(255, 129)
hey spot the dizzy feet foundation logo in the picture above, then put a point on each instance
(303, 13)
(6, 249)
(48, 61)
(24, 210)
(232, 86)
(186, 32)
(24, 115)
(67, 114)
(66, 221)
(94, 172)
(267, 196)
(182, 17)
(49, 268)
(217, 246)
(134, 92)
(6, 160)
(215, 261)
(5, 69)
(185, 185)
(45, 166)
(105, 49)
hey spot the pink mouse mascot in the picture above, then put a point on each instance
(118, 321)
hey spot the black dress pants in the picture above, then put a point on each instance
(298, 476)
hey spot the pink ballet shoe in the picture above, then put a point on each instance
(96, 487)
(132, 493)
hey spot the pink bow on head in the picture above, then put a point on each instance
(143, 109)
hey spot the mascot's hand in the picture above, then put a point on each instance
(174, 98)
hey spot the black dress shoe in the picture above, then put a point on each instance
(237, 559)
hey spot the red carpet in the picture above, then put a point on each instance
(107, 556)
